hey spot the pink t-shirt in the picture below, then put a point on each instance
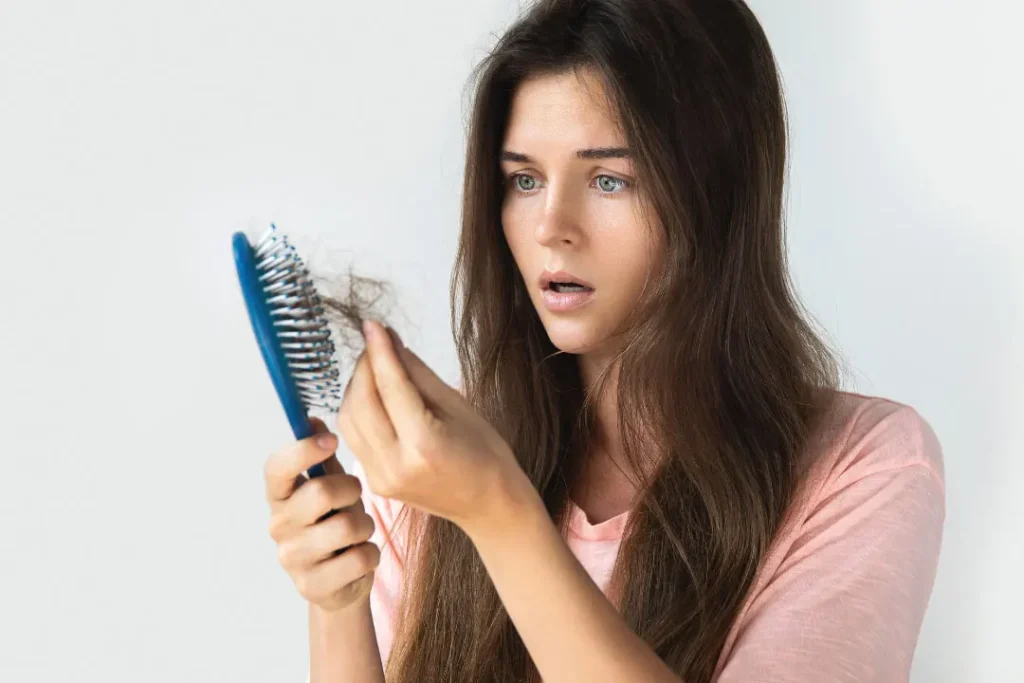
(843, 590)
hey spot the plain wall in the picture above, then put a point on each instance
(135, 413)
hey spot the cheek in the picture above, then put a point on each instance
(628, 260)
(509, 226)
(516, 236)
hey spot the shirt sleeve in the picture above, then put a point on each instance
(847, 601)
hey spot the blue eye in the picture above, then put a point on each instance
(515, 181)
(607, 183)
(621, 183)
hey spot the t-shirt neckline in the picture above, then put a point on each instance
(608, 530)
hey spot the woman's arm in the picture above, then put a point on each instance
(571, 630)
(343, 646)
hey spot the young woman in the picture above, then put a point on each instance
(649, 472)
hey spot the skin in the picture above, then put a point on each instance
(420, 442)
(582, 216)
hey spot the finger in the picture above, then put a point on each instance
(340, 572)
(436, 393)
(322, 540)
(399, 396)
(320, 495)
(368, 416)
(283, 469)
(331, 465)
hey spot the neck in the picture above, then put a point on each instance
(603, 489)
(606, 419)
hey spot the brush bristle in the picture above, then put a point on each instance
(299, 319)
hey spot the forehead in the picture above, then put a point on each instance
(561, 110)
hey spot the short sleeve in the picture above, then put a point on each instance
(846, 603)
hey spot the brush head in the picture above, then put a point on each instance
(289, 322)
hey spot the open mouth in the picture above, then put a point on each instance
(567, 287)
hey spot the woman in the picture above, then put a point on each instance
(650, 474)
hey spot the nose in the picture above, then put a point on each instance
(557, 224)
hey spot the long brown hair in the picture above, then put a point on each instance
(722, 378)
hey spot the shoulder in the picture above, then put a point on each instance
(863, 436)
(876, 472)
(858, 553)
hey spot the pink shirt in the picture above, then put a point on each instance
(843, 590)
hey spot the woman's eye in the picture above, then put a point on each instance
(615, 182)
(519, 186)
(606, 183)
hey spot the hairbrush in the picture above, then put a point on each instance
(291, 329)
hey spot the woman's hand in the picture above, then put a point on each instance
(419, 441)
(319, 525)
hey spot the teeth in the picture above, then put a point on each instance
(567, 287)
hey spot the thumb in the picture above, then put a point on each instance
(331, 464)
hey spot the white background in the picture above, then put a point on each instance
(135, 414)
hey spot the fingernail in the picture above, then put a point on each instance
(369, 329)
(325, 441)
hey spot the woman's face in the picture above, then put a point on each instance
(569, 206)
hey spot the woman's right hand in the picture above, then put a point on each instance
(319, 524)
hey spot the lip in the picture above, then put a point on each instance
(547, 277)
(559, 302)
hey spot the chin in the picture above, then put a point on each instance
(572, 336)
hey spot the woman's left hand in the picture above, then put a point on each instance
(421, 442)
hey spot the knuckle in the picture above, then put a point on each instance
(321, 493)
(307, 451)
(368, 527)
(303, 583)
(344, 529)
(371, 556)
(422, 442)
(269, 466)
(357, 483)
(365, 558)
(275, 527)
(351, 490)
(286, 554)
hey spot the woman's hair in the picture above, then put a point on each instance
(723, 380)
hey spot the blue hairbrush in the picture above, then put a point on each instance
(288, 320)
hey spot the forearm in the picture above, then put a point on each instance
(343, 646)
(571, 630)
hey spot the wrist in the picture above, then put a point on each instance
(513, 499)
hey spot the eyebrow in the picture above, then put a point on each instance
(591, 153)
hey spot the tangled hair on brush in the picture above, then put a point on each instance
(347, 302)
